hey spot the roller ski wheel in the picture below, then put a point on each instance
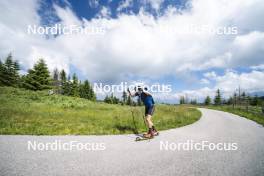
(143, 138)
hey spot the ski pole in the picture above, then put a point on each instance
(133, 117)
(144, 121)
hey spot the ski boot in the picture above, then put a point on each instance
(155, 132)
(150, 134)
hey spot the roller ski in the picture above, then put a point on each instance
(147, 136)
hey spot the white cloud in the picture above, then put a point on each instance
(140, 45)
(124, 5)
(198, 95)
(93, 3)
(155, 4)
(105, 12)
(249, 82)
(210, 75)
(28, 48)
(205, 81)
(258, 67)
(248, 49)
(227, 83)
(67, 16)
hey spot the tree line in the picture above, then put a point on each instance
(39, 78)
(237, 99)
(125, 100)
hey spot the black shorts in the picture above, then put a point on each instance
(149, 110)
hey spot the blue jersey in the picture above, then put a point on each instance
(146, 99)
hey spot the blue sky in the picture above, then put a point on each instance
(89, 9)
(145, 41)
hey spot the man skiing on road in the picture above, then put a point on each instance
(149, 103)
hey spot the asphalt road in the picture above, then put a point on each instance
(121, 155)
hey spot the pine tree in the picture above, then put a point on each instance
(182, 100)
(63, 76)
(85, 90)
(75, 86)
(67, 87)
(235, 99)
(230, 101)
(55, 80)
(254, 101)
(9, 75)
(38, 78)
(243, 98)
(115, 100)
(218, 98)
(193, 101)
(8, 70)
(106, 99)
(124, 97)
(92, 94)
(16, 77)
(129, 101)
(55, 77)
(207, 100)
(1, 73)
(112, 98)
(63, 81)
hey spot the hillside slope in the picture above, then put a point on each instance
(28, 112)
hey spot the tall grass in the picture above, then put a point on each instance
(254, 114)
(28, 112)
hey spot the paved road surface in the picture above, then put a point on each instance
(123, 156)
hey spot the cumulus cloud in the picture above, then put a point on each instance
(139, 45)
(210, 75)
(124, 5)
(205, 81)
(248, 49)
(155, 4)
(105, 12)
(249, 82)
(93, 3)
(258, 67)
(27, 48)
(228, 83)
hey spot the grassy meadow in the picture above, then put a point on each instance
(254, 113)
(37, 113)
